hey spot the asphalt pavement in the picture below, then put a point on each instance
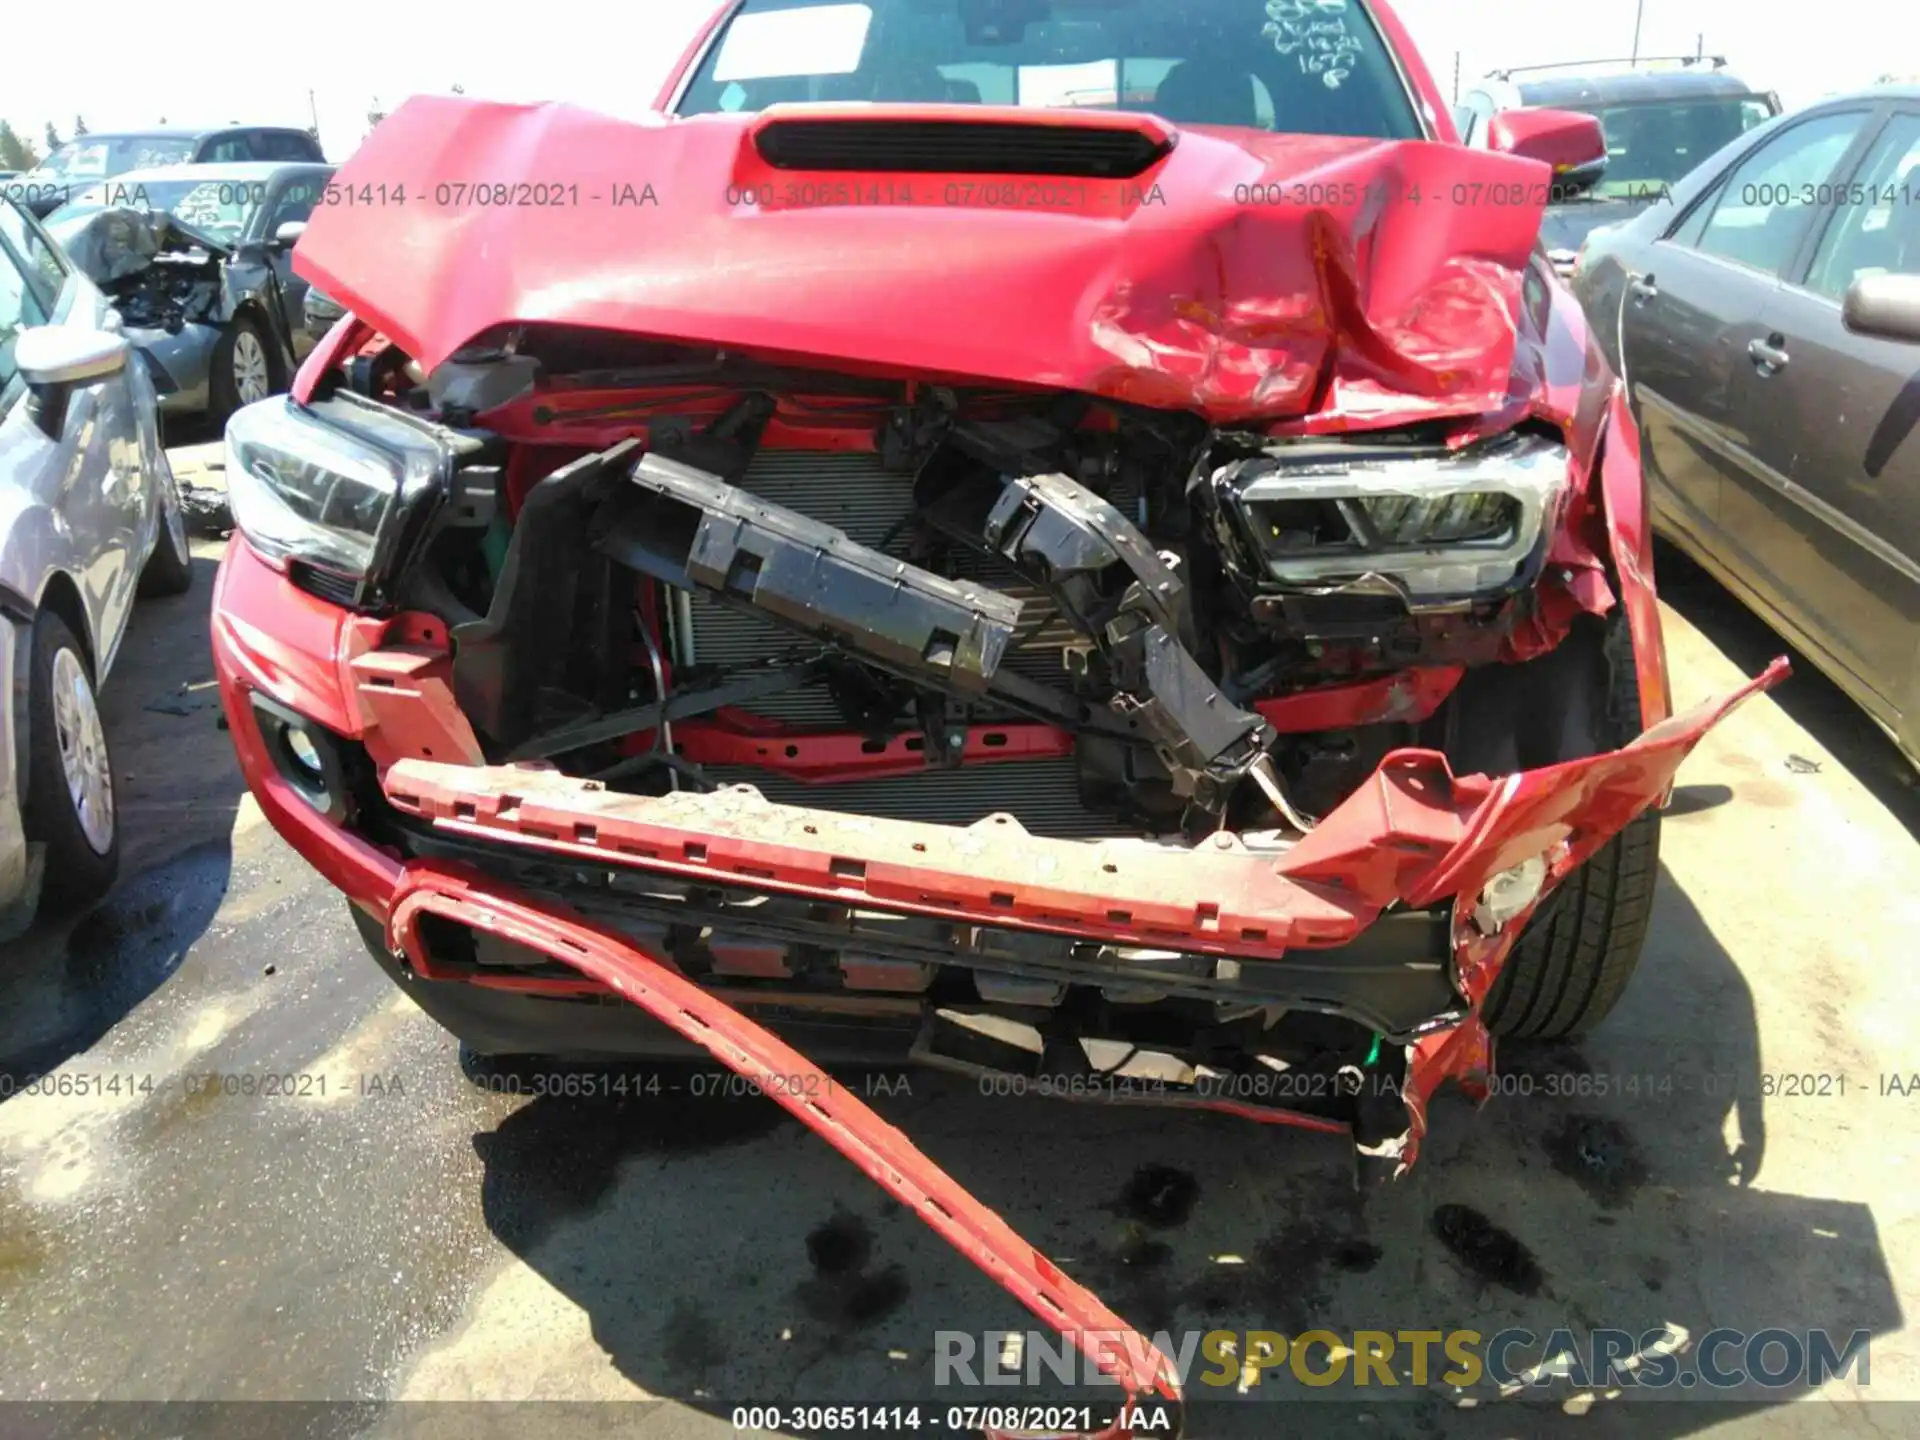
(255, 1172)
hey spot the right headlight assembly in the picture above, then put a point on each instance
(329, 491)
(1441, 528)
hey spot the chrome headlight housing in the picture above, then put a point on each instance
(333, 490)
(1441, 528)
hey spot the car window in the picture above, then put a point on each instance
(1689, 230)
(218, 209)
(224, 150)
(101, 157)
(20, 308)
(296, 202)
(1293, 66)
(1654, 144)
(45, 267)
(278, 145)
(1472, 115)
(1876, 227)
(1762, 207)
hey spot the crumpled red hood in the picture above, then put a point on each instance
(1244, 275)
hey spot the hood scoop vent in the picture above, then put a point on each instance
(962, 147)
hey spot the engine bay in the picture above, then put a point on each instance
(940, 604)
(175, 291)
(159, 274)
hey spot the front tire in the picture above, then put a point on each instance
(1572, 964)
(244, 369)
(69, 791)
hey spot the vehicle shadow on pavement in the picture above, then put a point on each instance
(1810, 698)
(723, 1256)
(70, 979)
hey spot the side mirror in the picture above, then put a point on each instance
(56, 360)
(1571, 142)
(1884, 305)
(288, 235)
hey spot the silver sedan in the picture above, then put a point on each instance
(89, 516)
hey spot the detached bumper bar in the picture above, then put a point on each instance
(890, 1159)
(1414, 835)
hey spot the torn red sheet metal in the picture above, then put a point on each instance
(1409, 809)
(830, 1110)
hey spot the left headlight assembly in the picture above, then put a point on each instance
(335, 492)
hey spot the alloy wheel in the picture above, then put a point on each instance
(82, 742)
(250, 378)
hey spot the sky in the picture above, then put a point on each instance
(613, 56)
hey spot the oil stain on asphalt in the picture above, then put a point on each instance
(690, 1341)
(1160, 1196)
(558, 1156)
(842, 1291)
(1487, 1251)
(1600, 1156)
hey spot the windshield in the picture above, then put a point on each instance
(216, 208)
(101, 157)
(1653, 144)
(1314, 67)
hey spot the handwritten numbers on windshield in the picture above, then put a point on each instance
(1315, 32)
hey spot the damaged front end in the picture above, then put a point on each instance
(177, 288)
(1272, 876)
(1178, 739)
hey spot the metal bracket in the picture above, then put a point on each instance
(1114, 587)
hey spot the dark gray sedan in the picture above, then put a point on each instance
(199, 261)
(1766, 324)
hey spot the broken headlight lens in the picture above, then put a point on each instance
(1440, 526)
(329, 488)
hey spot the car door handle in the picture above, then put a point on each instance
(1643, 289)
(1769, 355)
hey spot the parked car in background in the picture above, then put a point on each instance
(320, 313)
(88, 516)
(198, 258)
(1660, 123)
(1765, 323)
(96, 156)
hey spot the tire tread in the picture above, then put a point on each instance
(1573, 963)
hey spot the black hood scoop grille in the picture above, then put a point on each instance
(960, 147)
